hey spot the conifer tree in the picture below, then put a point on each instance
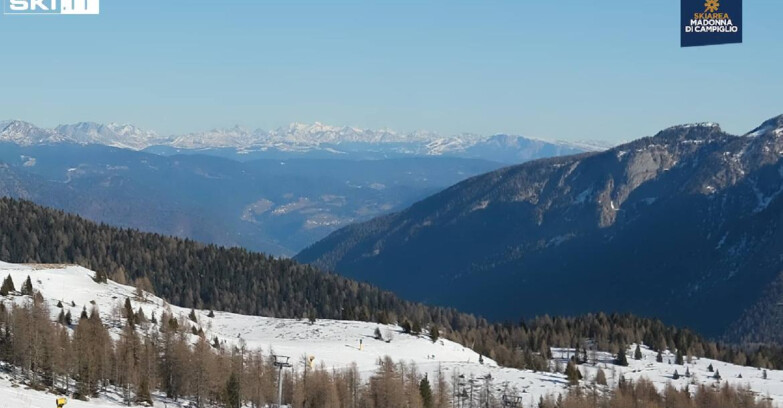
(406, 327)
(709, 368)
(382, 318)
(676, 375)
(173, 323)
(7, 287)
(637, 355)
(659, 357)
(233, 398)
(27, 287)
(678, 359)
(100, 276)
(140, 318)
(572, 374)
(622, 359)
(416, 328)
(426, 392)
(129, 315)
(434, 333)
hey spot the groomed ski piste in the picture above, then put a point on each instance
(336, 344)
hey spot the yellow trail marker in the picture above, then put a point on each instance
(61, 402)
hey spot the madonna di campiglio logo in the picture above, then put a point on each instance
(710, 22)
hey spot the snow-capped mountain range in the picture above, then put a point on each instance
(300, 138)
(113, 134)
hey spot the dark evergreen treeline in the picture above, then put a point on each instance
(191, 274)
(528, 343)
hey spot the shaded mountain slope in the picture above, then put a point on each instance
(684, 225)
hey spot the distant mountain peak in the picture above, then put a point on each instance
(112, 134)
(26, 134)
(770, 125)
(691, 132)
(691, 128)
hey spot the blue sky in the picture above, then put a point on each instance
(569, 69)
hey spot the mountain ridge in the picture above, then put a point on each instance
(299, 138)
(583, 223)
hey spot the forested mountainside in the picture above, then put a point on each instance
(668, 226)
(186, 272)
(190, 274)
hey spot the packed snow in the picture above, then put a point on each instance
(338, 344)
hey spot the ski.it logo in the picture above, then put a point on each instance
(51, 6)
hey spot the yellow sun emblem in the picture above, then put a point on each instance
(711, 6)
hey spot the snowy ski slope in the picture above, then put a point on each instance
(336, 344)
